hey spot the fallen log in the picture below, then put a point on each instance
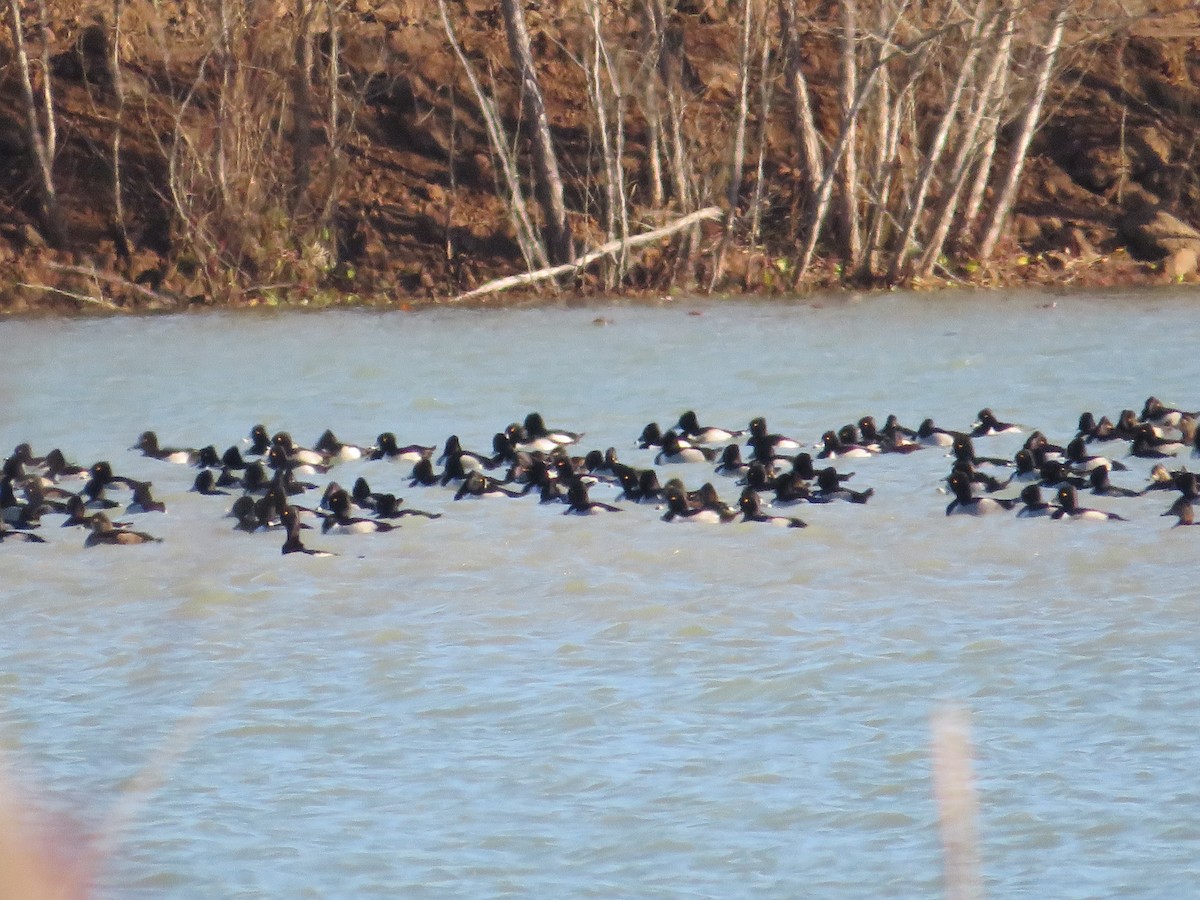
(612, 247)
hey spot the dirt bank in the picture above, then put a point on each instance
(396, 194)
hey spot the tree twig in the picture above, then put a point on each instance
(649, 237)
(114, 279)
(50, 289)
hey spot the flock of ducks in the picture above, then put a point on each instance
(265, 479)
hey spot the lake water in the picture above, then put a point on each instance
(509, 701)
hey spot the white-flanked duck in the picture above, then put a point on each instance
(1069, 508)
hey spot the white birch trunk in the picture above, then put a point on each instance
(1029, 122)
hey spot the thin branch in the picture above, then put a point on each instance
(612, 247)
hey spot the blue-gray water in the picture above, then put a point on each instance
(507, 701)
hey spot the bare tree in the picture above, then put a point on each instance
(548, 186)
(532, 248)
(40, 128)
(1033, 109)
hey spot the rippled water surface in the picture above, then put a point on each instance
(508, 701)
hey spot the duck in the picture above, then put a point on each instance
(1092, 429)
(766, 445)
(987, 424)
(423, 474)
(298, 463)
(1069, 508)
(751, 506)
(469, 460)
(387, 447)
(28, 537)
(1102, 487)
(292, 543)
(1156, 413)
(148, 444)
(259, 440)
(690, 429)
(105, 532)
(679, 510)
(1147, 444)
(536, 428)
(245, 511)
(652, 436)
(334, 450)
(1080, 460)
(675, 451)
(205, 484)
(300, 456)
(830, 487)
(1033, 506)
(891, 440)
(640, 486)
(966, 503)
(731, 464)
(58, 469)
(930, 435)
(579, 504)
(519, 439)
(387, 506)
(1182, 509)
(143, 500)
(476, 485)
(340, 521)
(963, 450)
(834, 447)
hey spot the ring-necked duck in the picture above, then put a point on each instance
(764, 444)
(387, 447)
(579, 504)
(148, 444)
(690, 429)
(675, 451)
(292, 543)
(476, 484)
(333, 449)
(1069, 508)
(679, 510)
(987, 424)
(535, 427)
(1102, 487)
(931, 435)
(1033, 504)
(341, 521)
(966, 503)
(751, 506)
(830, 487)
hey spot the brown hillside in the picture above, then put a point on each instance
(404, 201)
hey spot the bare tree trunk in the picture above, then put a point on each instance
(937, 144)
(1033, 110)
(815, 220)
(968, 144)
(334, 113)
(118, 86)
(302, 105)
(527, 237)
(766, 96)
(548, 182)
(737, 160)
(40, 128)
(806, 125)
(600, 71)
(982, 167)
(848, 213)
